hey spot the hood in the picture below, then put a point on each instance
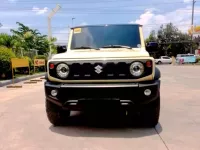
(102, 54)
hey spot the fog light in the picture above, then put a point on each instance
(147, 92)
(54, 92)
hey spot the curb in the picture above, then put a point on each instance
(186, 64)
(17, 80)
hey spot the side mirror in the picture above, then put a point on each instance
(61, 49)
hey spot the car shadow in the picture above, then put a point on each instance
(114, 126)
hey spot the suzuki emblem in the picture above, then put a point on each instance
(98, 69)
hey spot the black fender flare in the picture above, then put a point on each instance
(46, 75)
(157, 74)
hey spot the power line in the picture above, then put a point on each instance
(64, 13)
(91, 1)
(79, 9)
(75, 1)
(26, 8)
(85, 1)
(102, 12)
(113, 6)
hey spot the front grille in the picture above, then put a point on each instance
(101, 71)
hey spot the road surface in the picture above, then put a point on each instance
(24, 125)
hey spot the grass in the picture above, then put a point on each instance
(19, 75)
(22, 75)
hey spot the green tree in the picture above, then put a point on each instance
(31, 39)
(152, 37)
(5, 60)
(10, 41)
(6, 40)
(171, 40)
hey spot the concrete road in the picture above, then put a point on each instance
(24, 125)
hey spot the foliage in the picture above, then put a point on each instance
(22, 43)
(40, 57)
(6, 40)
(152, 37)
(31, 39)
(5, 59)
(29, 60)
(198, 59)
(171, 41)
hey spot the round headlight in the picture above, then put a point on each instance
(137, 69)
(62, 70)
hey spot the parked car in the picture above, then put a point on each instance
(186, 58)
(163, 60)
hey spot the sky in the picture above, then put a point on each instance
(151, 14)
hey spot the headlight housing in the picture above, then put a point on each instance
(62, 70)
(136, 69)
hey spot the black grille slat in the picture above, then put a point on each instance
(123, 70)
(86, 69)
(110, 69)
(75, 71)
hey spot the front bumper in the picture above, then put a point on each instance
(79, 96)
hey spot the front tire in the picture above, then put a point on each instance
(147, 115)
(55, 114)
(150, 115)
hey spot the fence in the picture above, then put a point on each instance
(21, 53)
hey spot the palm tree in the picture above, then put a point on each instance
(6, 40)
(31, 39)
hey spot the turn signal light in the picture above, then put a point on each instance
(51, 66)
(149, 64)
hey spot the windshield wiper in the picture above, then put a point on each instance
(116, 46)
(85, 47)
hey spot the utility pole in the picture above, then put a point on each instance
(68, 35)
(51, 14)
(192, 24)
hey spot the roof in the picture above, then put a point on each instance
(128, 24)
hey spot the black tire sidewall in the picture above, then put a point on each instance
(150, 114)
(55, 114)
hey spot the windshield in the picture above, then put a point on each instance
(112, 36)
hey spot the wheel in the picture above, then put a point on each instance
(159, 62)
(157, 74)
(146, 116)
(150, 114)
(55, 114)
